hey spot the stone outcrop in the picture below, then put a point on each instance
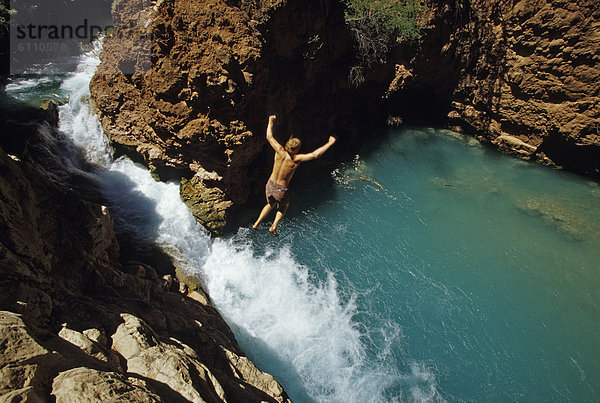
(19, 124)
(77, 325)
(85, 384)
(195, 105)
(523, 75)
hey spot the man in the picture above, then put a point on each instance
(286, 161)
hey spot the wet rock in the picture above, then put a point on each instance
(208, 204)
(198, 296)
(246, 370)
(49, 112)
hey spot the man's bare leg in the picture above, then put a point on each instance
(266, 210)
(278, 217)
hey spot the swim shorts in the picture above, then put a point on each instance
(277, 192)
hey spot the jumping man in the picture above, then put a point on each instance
(286, 161)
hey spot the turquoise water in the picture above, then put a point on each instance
(472, 275)
(428, 269)
(30, 91)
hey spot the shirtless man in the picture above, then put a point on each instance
(286, 161)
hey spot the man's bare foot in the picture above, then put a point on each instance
(273, 231)
(255, 227)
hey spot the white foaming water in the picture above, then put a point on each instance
(281, 310)
(294, 325)
(77, 120)
(20, 88)
(283, 315)
(154, 212)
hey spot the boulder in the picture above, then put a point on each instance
(89, 385)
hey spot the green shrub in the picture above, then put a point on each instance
(376, 25)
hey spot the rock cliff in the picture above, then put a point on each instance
(191, 99)
(77, 325)
(196, 106)
(523, 75)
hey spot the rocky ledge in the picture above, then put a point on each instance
(78, 325)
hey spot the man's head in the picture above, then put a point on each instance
(293, 145)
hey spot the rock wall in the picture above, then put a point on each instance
(192, 101)
(77, 325)
(197, 107)
(523, 75)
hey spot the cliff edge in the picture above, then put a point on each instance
(192, 100)
(77, 325)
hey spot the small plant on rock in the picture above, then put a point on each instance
(376, 25)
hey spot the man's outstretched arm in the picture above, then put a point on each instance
(315, 154)
(276, 146)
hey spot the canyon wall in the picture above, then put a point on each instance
(523, 75)
(191, 98)
(194, 103)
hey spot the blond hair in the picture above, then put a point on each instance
(293, 144)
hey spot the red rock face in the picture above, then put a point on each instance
(194, 100)
(198, 102)
(523, 75)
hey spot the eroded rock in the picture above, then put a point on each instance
(25, 365)
(219, 69)
(523, 75)
(89, 385)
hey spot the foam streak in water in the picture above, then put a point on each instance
(282, 310)
(273, 299)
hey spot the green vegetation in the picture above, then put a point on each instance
(4, 17)
(377, 25)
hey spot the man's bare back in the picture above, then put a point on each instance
(284, 167)
(285, 163)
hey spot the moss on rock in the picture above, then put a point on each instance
(208, 204)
